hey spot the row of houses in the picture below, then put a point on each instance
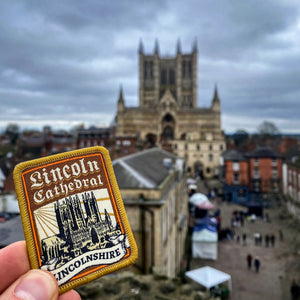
(261, 175)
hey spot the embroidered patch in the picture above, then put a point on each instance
(74, 220)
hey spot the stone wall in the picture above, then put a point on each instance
(129, 286)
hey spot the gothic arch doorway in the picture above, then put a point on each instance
(168, 133)
(198, 169)
(150, 140)
(168, 126)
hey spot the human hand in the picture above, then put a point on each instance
(18, 281)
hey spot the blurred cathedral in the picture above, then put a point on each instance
(168, 115)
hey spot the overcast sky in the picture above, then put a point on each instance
(62, 62)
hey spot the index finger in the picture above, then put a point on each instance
(14, 262)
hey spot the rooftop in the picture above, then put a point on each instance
(146, 169)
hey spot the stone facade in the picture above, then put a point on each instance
(291, 182)
(156, 206)
(168, 115)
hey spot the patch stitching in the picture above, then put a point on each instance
(33, 240)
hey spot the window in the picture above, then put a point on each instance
(211, 157)
(175, 146)
(151, 70)
(126, 143)
(274, 173)
(148, 70)
(236, 166)
(274, 162)
(186, 146)
(210, 147)
(170, 211)
(183, 69)
(255, 161)
(256, 173)
(221, 147)
(236, 178)
(186, 69)
(171, 77)
(189, 69)
(163, 79)
(164, 224)
(198, 147)
(145, 69)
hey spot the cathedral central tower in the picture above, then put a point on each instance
(177, 74)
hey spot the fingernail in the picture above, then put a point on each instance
(36, 285)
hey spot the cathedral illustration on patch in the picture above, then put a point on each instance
(79, 232)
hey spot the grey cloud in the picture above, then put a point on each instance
(77, 53)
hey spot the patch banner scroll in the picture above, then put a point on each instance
(74, 220)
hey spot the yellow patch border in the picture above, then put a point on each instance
(29, 231)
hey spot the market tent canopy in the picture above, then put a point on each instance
(191, 181)
(205, 235)
(201, 201)
(209, 277)
(205, 244)
(193, 187)
(198, 198)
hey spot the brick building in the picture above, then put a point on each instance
(118, 146)
(256, 172)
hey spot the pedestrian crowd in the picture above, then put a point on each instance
(269, 239)
(237, 220)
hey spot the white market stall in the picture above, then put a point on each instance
(205, 244)
(209, 277)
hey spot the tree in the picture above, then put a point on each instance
(240, 137)
(12, 132)
(268, 128)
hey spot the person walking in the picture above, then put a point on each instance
(272, 239)
(242, 218)
(256, 264)
(249, 261)
(244, 239)
(267, 239)
(257, 238)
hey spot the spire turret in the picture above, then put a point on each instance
(121, 102)
(216, 101)
(178, 46)
(216, 95)
(156, 47)
(195, 45)
(141, 47)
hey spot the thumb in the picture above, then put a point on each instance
(34, 285)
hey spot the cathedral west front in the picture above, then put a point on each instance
(168, 115)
